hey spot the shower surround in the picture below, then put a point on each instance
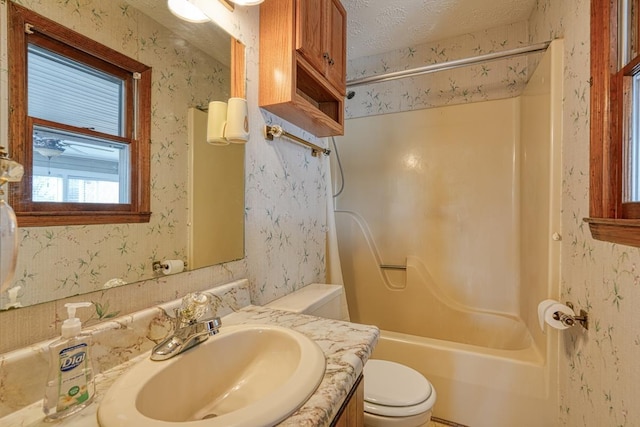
(446, 232)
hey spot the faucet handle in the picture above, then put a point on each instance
(195, 306)
(212, 325)
(179, 321)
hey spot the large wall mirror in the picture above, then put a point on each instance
(192, 64)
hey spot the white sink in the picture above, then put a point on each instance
(247, 375)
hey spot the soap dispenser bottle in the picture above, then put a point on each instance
(70, 385)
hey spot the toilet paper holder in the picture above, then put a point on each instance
(570, 320)
(159, 266)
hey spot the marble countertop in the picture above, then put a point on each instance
(347, 347)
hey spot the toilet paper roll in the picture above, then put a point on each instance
(546, 310)
(542, 308)
(172, 266)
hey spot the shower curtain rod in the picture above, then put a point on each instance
(457, 63)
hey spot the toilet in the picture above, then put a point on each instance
(394, 394)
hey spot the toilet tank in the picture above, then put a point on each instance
(316, 299)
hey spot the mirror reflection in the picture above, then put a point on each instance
(68, 167)
(191, 66)
(86, 168)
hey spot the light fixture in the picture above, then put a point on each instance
(48, 147)
(186, 10)
(10, 171)
(247, 2)
(8, 244)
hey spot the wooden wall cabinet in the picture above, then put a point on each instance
(351, 413)
(320, 38)
(303, 63)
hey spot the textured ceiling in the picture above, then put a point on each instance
(377, 26)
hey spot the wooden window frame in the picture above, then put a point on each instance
(610, 219)
(56, 37)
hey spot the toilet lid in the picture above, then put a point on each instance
(392, 384)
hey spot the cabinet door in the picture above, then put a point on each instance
(351, 413)
(336, 38)
(310, 15)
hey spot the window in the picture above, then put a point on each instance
(614, 206)
(79, 123)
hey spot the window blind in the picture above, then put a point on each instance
(65, 91)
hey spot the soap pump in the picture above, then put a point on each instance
(70, 384)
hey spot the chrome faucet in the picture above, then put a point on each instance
(190, 329)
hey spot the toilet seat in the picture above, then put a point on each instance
(395, 390)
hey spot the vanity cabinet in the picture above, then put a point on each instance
(351, 413)
(303, 63)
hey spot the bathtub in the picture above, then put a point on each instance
(487, 367)
(478, 386)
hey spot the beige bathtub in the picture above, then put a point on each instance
(485, 366)
(477, 386)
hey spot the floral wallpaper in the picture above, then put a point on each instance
(55, 262)
(599, 370)
(285, 200)
(490, 80)
(285, 188)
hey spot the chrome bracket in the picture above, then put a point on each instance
(583, 318)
